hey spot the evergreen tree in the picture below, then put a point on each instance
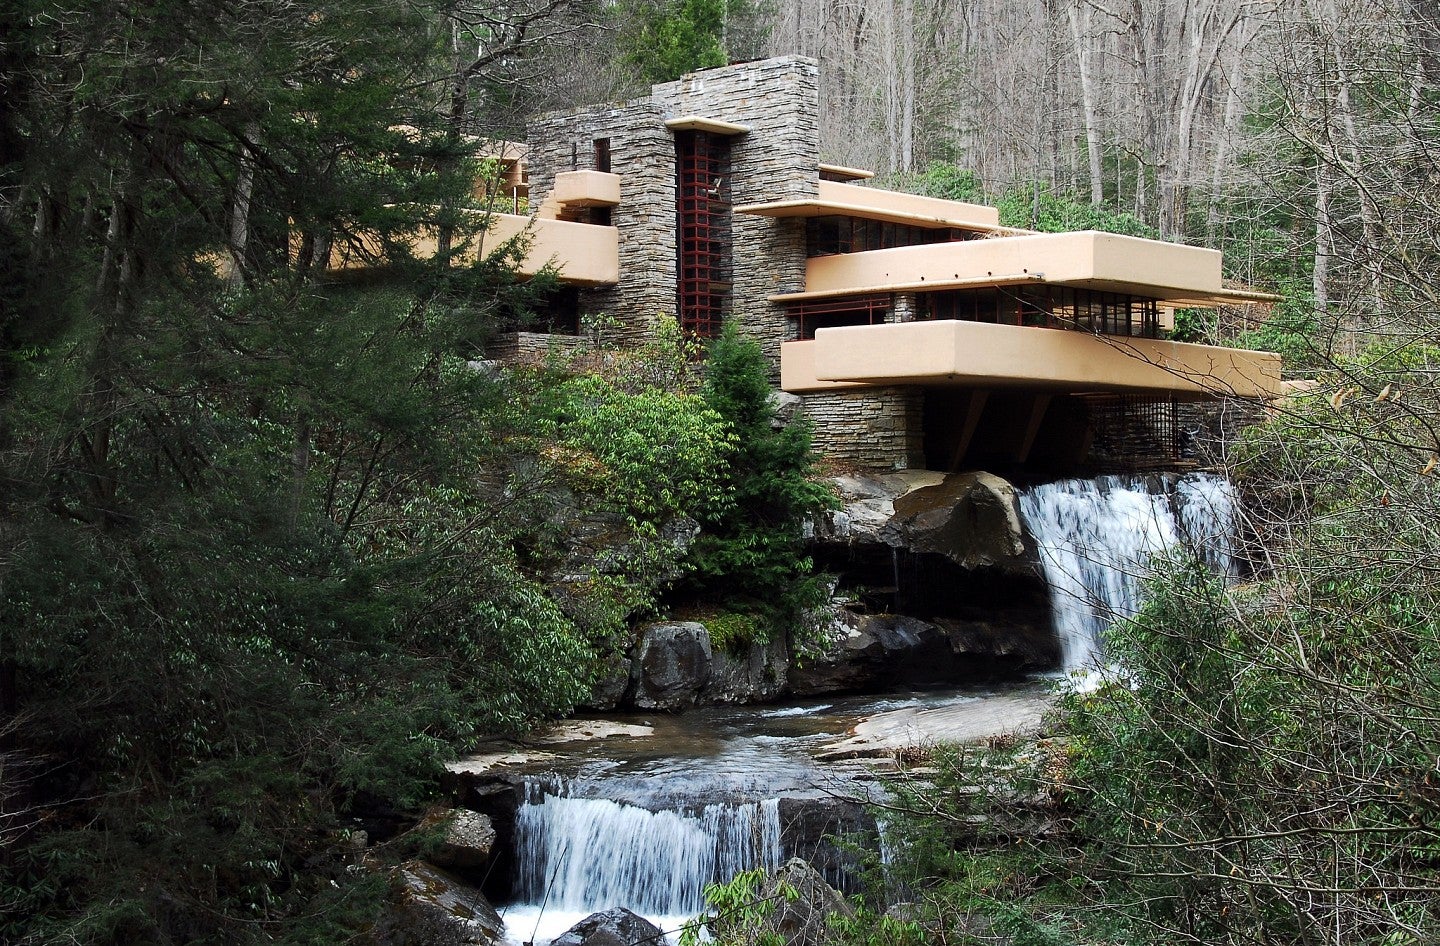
(248, 580)
(674, 37)
(751, 553)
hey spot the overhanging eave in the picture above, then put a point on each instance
(815, 207)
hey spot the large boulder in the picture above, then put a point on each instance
(800, 904)
(617, 927)
(867, 504)
(973, 519)
(672, 665)
(787, 408)
(433, 907)
(754, 673)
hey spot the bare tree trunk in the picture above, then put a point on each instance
(1324, 235)
(907, 86)
(1079, 36)
(240, 207)
(898, 58)
(1369, 212)
(1218, 164)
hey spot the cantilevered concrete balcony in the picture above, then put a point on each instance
(986, 355)
(583, 254)
(1175, 274)
(585, 189)
(835, 198)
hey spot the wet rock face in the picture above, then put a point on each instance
(937, 585)
(872, 651)
(867, 652)
(672, 665)
(823, 832)
(617, 927)
(939, 563)
(1013, 640)
(436, 907)
(756, 674)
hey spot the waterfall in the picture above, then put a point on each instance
(1096, 538)
(577, 855)
(1207, 520)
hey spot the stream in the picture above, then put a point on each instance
(642, 811)
(645, 821)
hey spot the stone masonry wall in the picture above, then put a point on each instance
(532, 347)
(642, 153)
(778, 99)
(875, 429)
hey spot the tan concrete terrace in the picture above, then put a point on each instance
(1176, 274)
(982, 354)
(575, 189)
(835, 198)
(583, 254)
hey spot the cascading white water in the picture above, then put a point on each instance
(1207, 519)
(578, 855)
(1096, 538)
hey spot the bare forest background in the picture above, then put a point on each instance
(1295, 136)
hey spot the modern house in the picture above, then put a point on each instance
(918, 331)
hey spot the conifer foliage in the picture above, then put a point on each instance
(250, 584)
(751, 553)
(675, 37)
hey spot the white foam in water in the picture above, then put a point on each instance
(577, 856)
(789, 711)
(1096, 536)
(1207, 517)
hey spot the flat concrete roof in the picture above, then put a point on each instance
(829, 208)
(1172, 273)
(699, 123)
(837, 198)
(840, 170)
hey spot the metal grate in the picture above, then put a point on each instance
(701, 236)
(1137, 433)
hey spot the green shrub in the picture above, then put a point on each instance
(734, 633)
(750, 556)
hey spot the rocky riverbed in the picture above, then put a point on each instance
(938, 585)
(576, 819)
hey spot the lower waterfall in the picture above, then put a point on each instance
(578, 855)
(1096, 538)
